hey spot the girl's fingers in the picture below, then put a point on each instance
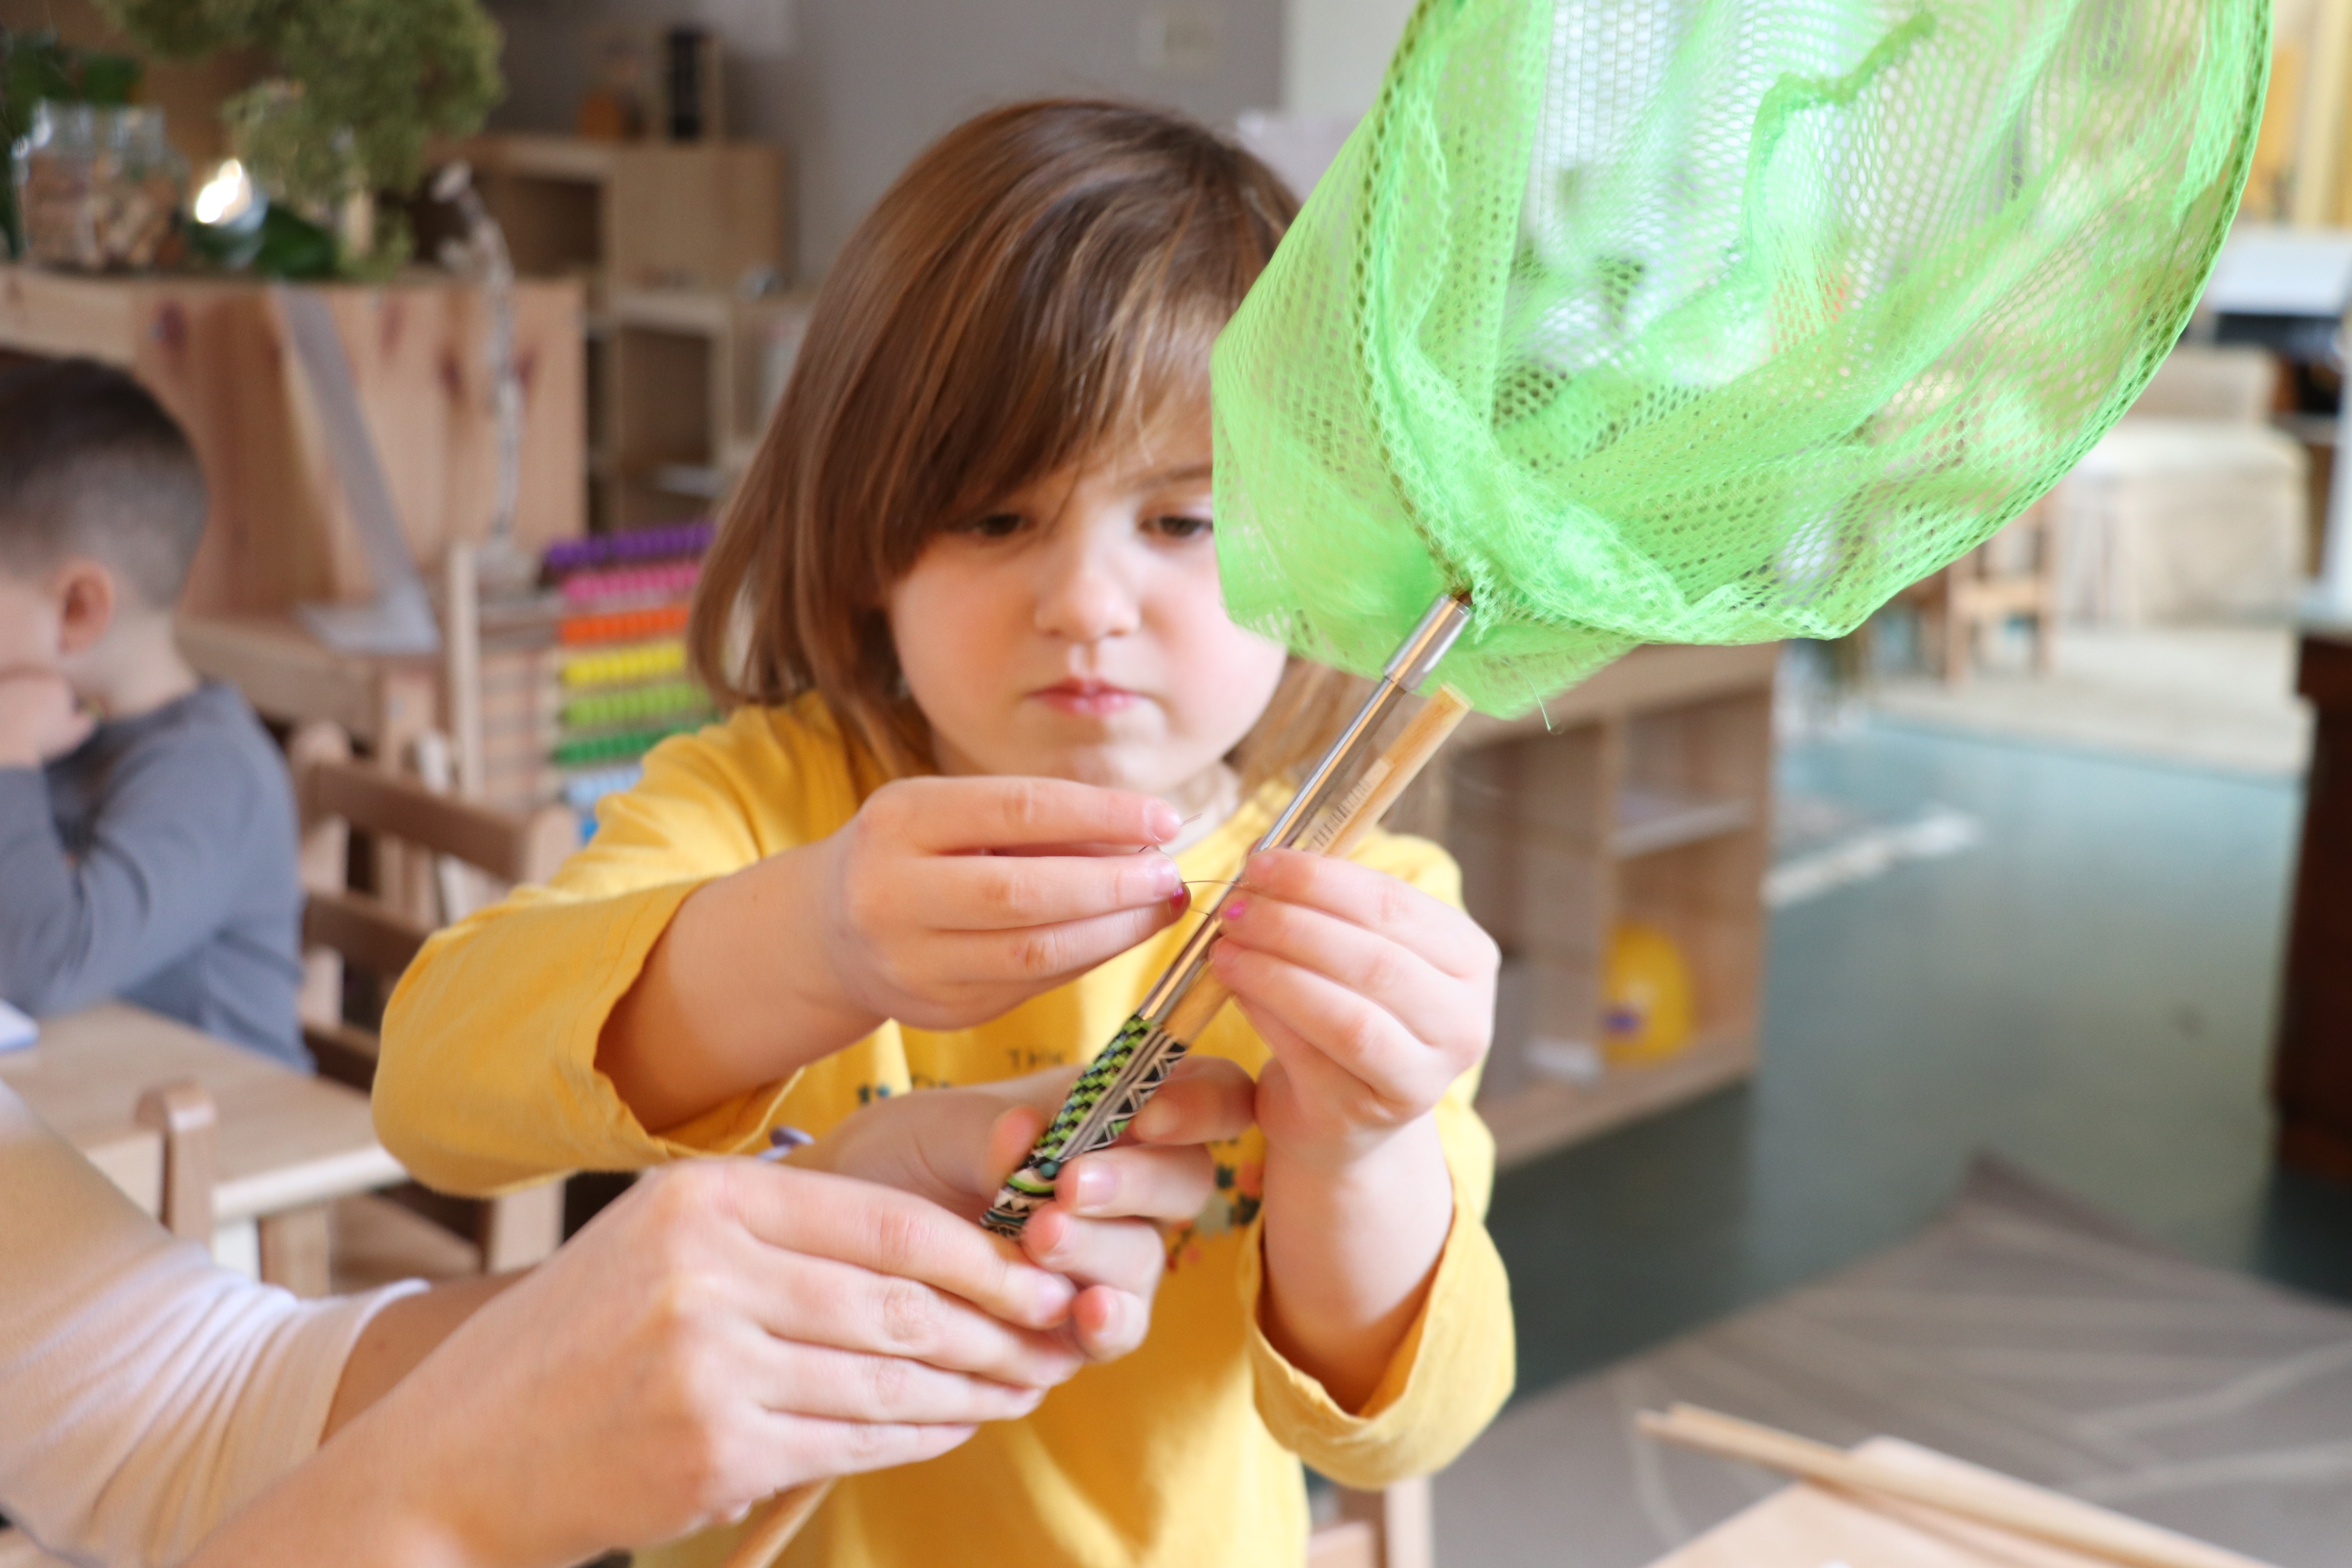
(1207, 1099)
(1426, 1000)
(1125, 1254)
(1442, 935)
(1135, 1182)
(1049, 953)
(947, 815)
(1109, 1323)
(1313, 1079)
(1356, 1036)
(997, 893)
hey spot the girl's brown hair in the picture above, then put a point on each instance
(1041, 278)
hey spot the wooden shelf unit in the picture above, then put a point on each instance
(691, 377)
(214, 351)
(683, 248)
(1648, 797)
(637, 215)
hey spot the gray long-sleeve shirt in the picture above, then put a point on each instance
(156, 862)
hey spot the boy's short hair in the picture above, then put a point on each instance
(90, 464)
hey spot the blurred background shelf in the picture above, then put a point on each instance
(1641, 796)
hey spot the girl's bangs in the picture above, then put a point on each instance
(1085, 352)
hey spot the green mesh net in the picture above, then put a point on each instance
(1712, 320)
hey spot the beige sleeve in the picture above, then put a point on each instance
(146, 1394)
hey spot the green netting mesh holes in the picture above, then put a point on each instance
(1712, 320)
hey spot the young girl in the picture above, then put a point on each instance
(991, 721)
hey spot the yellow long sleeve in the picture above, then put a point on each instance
(1185, 1452)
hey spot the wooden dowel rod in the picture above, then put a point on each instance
(2058, 1521)
(1415, 744)
(1397, 767)
(775, 1523)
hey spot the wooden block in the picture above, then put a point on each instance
(699, 215)
(295, 1251)
(1808, 1525)
(520, 1229)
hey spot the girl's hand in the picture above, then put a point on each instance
(727, 1329)
(951, 901)
(956, 1146)
(1372, 995)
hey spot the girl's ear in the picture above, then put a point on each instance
(86, 604)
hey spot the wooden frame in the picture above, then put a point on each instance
(335, 796)
(213, 352)
(1645, 793)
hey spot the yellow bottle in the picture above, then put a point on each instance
(1645, 1005)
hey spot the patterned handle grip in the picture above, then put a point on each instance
(1122, 1079)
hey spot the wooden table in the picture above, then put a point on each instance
(1809, 1526)
(288, 1144)
(2310, 1071)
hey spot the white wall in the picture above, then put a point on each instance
(855, 87)
(1334, 52)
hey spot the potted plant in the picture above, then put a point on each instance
(360, 89)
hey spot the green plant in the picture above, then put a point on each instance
(35, 66)
(363, 86)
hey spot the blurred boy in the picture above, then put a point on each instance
(147, 832)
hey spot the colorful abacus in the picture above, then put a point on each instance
(568, 716)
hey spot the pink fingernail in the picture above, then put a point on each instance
(1234, 909)
(1090, 1188)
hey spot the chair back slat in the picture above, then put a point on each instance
(365, 929)
(510, 847)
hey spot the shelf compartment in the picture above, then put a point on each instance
(1546, 1114)
(1650, 819)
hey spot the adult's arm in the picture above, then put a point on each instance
(727, 1329)
(145, 1394)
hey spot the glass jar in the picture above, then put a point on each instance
(99, 189)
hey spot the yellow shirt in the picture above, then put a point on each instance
(1186, 1452)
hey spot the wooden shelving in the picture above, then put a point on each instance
(1649, 820)
(685, 249)
(1647, 798)
(1545, 1114)
(692, 374)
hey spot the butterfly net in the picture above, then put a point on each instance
(1712, 320)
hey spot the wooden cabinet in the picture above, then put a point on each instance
(214, 351)
(2311, 1076)
(1642, 795)
(684, 249)
(689, 377)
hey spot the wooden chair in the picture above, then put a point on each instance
(1387, 1529)
(2014, 574)
(336, 797)
(183, 1117)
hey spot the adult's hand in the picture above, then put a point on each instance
(1102, 1231)
(727, 1329)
